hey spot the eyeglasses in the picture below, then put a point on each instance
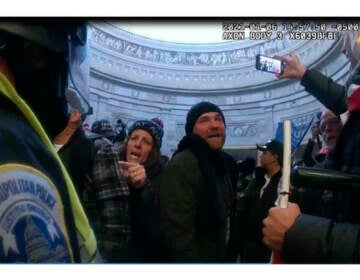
(331, 122)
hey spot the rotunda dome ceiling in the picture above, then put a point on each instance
(140, 75)
(225, 66)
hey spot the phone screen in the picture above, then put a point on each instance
(269, 64)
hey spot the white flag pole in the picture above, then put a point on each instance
(286, 168)
(285, 180)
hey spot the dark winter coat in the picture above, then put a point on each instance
(78, 156)
(254, 211)
(331, 94)
(318, 240)
(196, 203)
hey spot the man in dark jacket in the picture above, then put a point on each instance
(77, 152)
(197, 190)
(260, 196)
(316, 201)
(311, 239)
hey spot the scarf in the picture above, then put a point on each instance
(215, 200)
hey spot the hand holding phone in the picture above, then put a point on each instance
(269, 64)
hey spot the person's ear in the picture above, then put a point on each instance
(276, 156)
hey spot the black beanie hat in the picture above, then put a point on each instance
(196, 111)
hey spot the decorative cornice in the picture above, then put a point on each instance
(227, 69)
(199, 56)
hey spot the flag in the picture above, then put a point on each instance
(298, 132)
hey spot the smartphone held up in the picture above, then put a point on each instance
(269, 64)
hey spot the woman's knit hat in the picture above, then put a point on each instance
(151, 127)
(196, 111)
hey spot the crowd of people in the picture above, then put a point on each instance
(69, 193)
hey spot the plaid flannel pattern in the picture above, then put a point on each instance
(112, 199)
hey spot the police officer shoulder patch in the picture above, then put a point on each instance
(32, 226)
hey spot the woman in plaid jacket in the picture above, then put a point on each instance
(124, 180)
